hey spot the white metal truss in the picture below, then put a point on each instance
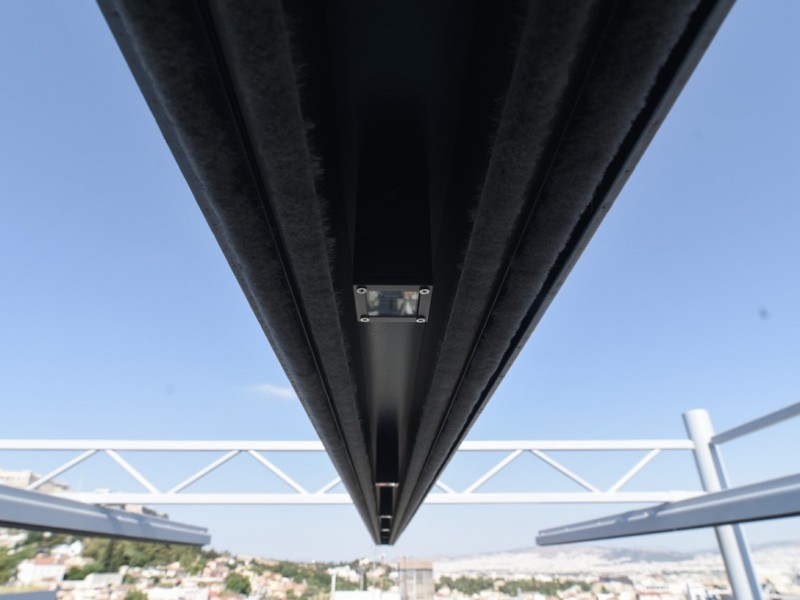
(23, 508)
(299, 495)
(719, 505)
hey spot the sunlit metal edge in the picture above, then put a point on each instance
(770, 499)
(34, 510)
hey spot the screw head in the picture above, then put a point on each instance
(421, 319)
(424, 291)
(364, 319)
(361, 290)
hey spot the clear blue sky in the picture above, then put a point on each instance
(119, 317)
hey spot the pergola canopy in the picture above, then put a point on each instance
(401, 188)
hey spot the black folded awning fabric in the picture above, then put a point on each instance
(401, 188)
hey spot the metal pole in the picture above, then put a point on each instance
(732, 543)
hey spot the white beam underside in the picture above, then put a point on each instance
(341, 498)
(316, 446)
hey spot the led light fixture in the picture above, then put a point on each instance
(392, 303)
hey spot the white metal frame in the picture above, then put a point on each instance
(723, 507)
(719, 506)
(299, 495)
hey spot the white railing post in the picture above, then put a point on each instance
(731, 539)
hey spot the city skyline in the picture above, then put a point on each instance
(153, 339)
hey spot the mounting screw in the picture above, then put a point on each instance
(364, 319)
(421, 319)
(361, 290)
(424, 291)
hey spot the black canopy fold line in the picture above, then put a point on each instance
(173, 51)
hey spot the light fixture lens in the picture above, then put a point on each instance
(392, 303)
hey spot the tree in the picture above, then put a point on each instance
(135, 595)
(80, 573)
(9, 561)
(113, 554)
(238, 584)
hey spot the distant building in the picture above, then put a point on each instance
(177, 593)
(22, 479)
(139, 510)
(71, 550)
(40, 570)
(345, 572)
(132, 508)
(416, 579)
(695, 591)
(10, 538)
(103, 580)
(372, 594)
